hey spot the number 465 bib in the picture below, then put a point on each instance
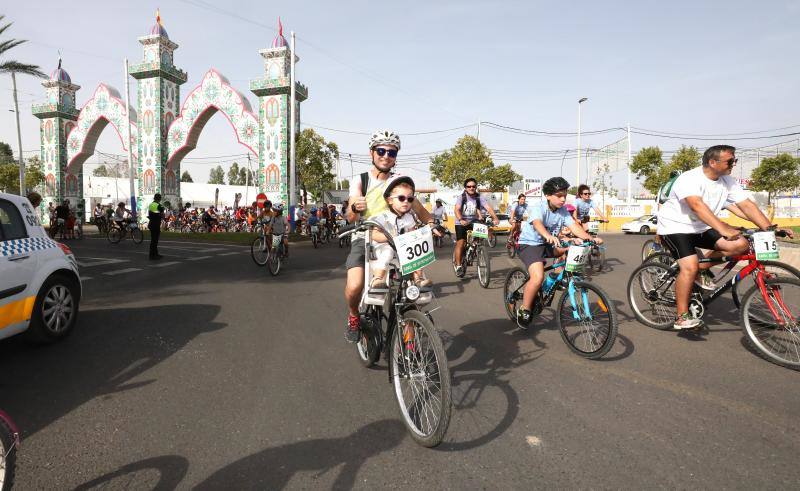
(415, 249)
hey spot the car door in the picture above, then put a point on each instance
(17, 270)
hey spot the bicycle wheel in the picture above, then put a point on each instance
(8, 456)
(259, 251)
(771, 321)
(492, 240)
(484, 266)
(137, 235)
(650, 247)
(421, 379)
(314, 240)
(512, 291)
(274, 261)
(511, 249)
(587, 320)
(369, 343)
(114, 236)
(651, 294)
(662, 257)
(597, 259)
(775, 268)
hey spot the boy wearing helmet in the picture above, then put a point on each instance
(397, 220)
(538, 239)
(366, 200)
(279, 224)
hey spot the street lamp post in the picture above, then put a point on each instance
(19, 137)
(578, 165)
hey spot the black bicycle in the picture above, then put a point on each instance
(475, 248)
(127, 228)
(392, 323)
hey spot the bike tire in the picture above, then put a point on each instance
(651, 295)
(8, 457)
(511, 249)
(662, 257)
(114, 236)
(484, 266)
(511, 298)
(776, 344)
(259, 251)
(650, 247)
(591, 339)
(597, 261)
(274, 263)
(137, 235)
(314, 240)
(341, 243)
(428, 430)
(775, 267)
(492, 240)
(369, 344)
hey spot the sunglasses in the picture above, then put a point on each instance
(403, 198)
(383, 151)
(730, 161)
(587, 193)
(471, 186)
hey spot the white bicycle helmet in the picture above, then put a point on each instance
(384, 137)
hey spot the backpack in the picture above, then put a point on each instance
(663, 191)
(464, 202)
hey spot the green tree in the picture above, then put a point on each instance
(233, 175)
(776, 174)
(6, 154)
(470, 158)
(8, 66)
(344, 184)
(502, 176)
(217, 175)
(315, 160)
(649, 164)
(101, 171)
(603, 184)
(245, 176)
(9, 175)
(186, 177)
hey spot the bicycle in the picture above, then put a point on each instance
(130, 228)
(475, 248)
(393, 324)
(513, 239)
(9, 444)
(276, 254)
(773, 331)
(586, 317)
(597, 253)
(650, 247)
(438, 240)
(259, 248)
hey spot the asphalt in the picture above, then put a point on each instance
(204, 371)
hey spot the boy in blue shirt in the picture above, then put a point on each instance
(539, 239)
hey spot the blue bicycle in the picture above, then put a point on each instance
(587, 320)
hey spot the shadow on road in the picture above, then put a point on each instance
(273, 468)
(171, 470)
(484, 404)
(40, 384)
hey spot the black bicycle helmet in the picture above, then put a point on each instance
(554, 185)
(394, 181)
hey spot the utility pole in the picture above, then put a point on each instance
(578, 164)
(19, 138)
(352, 174)
(292, 130)
(338, 175)
(247, 181)
(630, 181)
(479, 130)
(128, 143)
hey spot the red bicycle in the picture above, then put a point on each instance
(769, 311)
(513, 238)
(9, 443)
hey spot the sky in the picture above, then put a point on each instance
(699, 67)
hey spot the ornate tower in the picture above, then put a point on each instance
(273, 91)
(57, 117)
(158, 95)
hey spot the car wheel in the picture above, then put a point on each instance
(55, 311)
(644, 230)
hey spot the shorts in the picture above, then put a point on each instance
(530, 254)
(461, 231)
(683, 245)
(355, 259)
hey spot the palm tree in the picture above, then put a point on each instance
(13, 67)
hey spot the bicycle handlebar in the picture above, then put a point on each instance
(748, 232)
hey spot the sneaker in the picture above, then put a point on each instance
(423, 282)
(524, 318)
(705, 280)
(686, 321)
(460, 271)
(351, 334)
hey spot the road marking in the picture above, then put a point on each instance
(228, 253)
(197, 258)
(122, 271)
(84, 278)
(213, 249)
(98, 261)
(161, 265)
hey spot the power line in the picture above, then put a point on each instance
(555, 134)
(716, 134)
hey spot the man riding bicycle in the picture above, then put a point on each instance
(466, 210)
(688, 220)
(366, 200)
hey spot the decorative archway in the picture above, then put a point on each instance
(103, 108)
(213, 94)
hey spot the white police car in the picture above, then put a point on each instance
(642, 225)
(40, 287)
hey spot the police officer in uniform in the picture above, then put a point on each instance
(154, 214)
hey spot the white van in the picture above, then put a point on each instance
(40, 287)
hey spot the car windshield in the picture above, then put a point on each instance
(502, 216)
(644, 218)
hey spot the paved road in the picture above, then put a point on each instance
(202, 370)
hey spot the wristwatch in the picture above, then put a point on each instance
(353, 208)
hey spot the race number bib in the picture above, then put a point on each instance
(276, 240)
(314, 228)
(415, 249)
(323, 221)
(480, 230)
(765, 245)
(593, 227)
(577, 257)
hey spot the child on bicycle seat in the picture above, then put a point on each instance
(397, 220)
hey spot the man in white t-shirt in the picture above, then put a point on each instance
(688, 219)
